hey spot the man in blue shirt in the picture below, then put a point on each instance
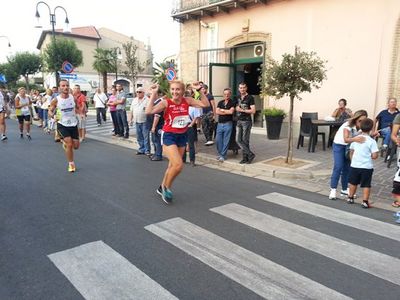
(384, 120)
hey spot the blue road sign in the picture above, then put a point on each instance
(171, 74)
(68, 76)
(67, 67)
(3, 78)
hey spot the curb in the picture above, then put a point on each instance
(276, 175)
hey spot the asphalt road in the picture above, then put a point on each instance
(103, 232)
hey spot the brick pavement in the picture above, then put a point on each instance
(314, 177)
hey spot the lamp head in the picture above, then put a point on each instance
(37, 15)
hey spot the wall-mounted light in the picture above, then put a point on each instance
(204, 24)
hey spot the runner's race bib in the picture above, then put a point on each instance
(180, 121)
(25, 110)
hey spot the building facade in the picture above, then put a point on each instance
(89, 38)
(225, 42)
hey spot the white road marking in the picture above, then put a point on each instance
(370, 261)
(389, 231)
(99, 272)
(262, 276)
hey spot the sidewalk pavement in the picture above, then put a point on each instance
(313, 177)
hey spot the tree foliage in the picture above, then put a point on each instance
(160, 77)
(25, 64)
(10, 73)
(134, 65)
(291, 77)
(58, 51)
(104, 62)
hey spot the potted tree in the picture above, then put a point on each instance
(273, 121)
(291, 77)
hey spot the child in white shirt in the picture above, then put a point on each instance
(362, 167)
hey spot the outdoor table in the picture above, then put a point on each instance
(314, 131)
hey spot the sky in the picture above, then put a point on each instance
(145, 20)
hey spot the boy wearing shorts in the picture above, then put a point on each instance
(361, 167)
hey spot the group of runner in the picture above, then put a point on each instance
(64, 108)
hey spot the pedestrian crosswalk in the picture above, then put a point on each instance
(99, 272)
(104, 130)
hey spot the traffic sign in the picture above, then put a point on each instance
(68, 76)
(171, 74)
(3, 78)
(67, 67)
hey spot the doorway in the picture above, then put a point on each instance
(250, 73)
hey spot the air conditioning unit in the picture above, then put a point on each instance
(258, 50)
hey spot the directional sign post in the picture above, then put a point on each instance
(171, 74)
(68, 76)
(67, 67)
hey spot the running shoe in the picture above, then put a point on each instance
(3, 138)
(159, 190)
(71, 168)
(166, 195)
(29, 137)
(21, 136)
(350, 200)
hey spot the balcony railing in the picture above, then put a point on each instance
(184, 5)
(194, 9)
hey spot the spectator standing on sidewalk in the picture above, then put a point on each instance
(138, 114)
(245, 108)
(100, 101)
(123, 126)
(81, 111)
(225, 111)
(346, 134)
(156, 123)
(45, 109)
(55, 92)
(207, 119)
(113, 110)
(194, 115)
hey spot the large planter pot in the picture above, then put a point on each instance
(273, 125)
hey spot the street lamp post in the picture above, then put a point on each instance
(52, 16)
(6, 37)
(118, 56)
(52, 21)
